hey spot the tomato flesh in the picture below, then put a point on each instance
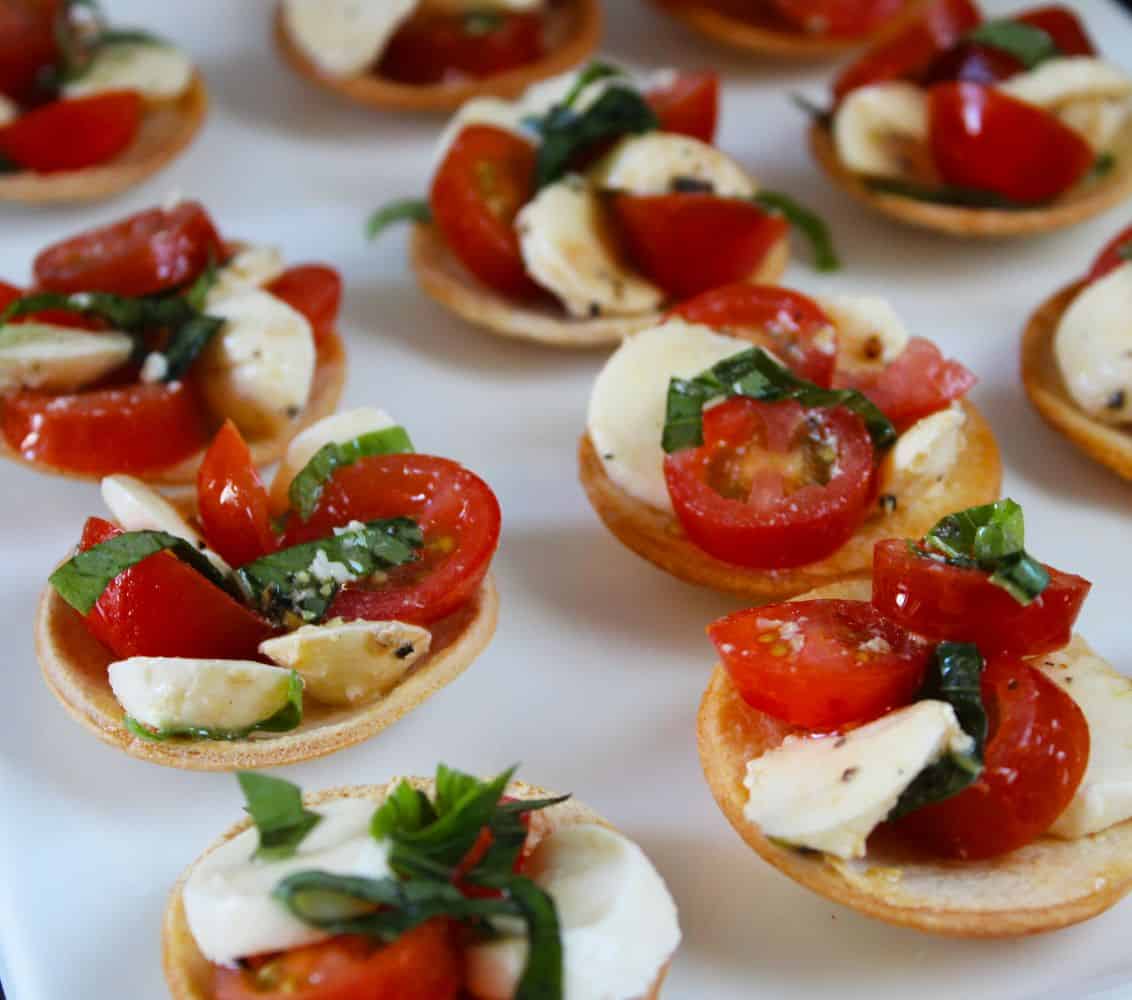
(314, 290)
(1117, 252)
(838, 17)
(28, 45)
(232, 500)
(73, 134)
(688, 106)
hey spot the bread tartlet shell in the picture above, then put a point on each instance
(189, 974)
(166, 129)
(577, 25)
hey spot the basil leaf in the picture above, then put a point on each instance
(595, 71)
(542, 977)
(306, 488)
(187, 344)
(1027, 43)
(276, 808)
(946, 194)
(754, 374)
(405, 808)
(809, 224)
(1124, 251)
(482, 22)
(406, 210)
(1103, 165)
(509, 835)
(197, 293)
(127, 36)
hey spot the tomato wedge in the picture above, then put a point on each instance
(789, 324)
(838, 17)
(314, 290)
(457, 512)
(486, 178)
(28, 45)
(689, 105)
(232, 500)
(1036, 755)
(163, 607)
(821, 664)
(1063, 26)
(150, 252)
(690, 243)
(984, 139)
(73, 134)
(773, 485)
(1117, 251)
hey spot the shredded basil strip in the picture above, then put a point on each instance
(276, 808)
(81, 580)
(405, 210)
(754, 374)
(808, 223)
(482, 22)
(306, 488)
(596, 70)
(1027, 43)
(1102, 166)
(1124, 251)
(946, 194)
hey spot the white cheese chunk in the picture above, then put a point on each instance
(157, 71)
(928, 450)
(1100, 123)
(480, 6)
(828, 793)
(874, 127)
(9, 111)
(57, 358)
(228, 903)
(1057, 82)
(252, 267)
(344, 37)
(660, 162)
(618, 920)
(870, 334)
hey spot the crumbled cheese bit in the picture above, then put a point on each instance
(155, 367)
(789, 633)
(326, 571)
(876, 644)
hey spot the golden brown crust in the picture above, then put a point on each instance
(444, 279)
(1109, 445)
(656, 535)
(167, 128)
(1083, 202)
(189, 974)
(576, 26)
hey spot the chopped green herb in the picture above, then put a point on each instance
(596, 70)
(1102, 166)
(405, 210)
(811, 225)
(482, 22)
(1124, 251)
(276, 808)
(945, 194)
(1027, 43)
(818, 114)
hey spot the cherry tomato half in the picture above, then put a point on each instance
(688, 106)
(838, 17)
(73, 134)
(314, 290)
(232, 500)
(1116, 252)
(28, 45)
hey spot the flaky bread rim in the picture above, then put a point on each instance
(657, 536)
(1042, 378)
(981, 223)
(730, 732)
(187, 971)
(372, 91)
(445, 280)
(167, 128)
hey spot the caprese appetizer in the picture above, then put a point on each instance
(935, 748)
(87, 109)
(137, 340)
(434, 54)
(446, 889)
(982, 127)
(759, 441)
(263, 628)
(574, 215)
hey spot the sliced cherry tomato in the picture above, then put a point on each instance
(772, 486)
(838, 17)
(139, 428)
(1036, 755)
(821, 664)
(487, 176)
(425, 963)
(971, 62)
(1117, 251)
(1063, 26)
(150, 252)
(789, 324)
(28, 45)
(690, 243)
(456, 510)
(163, 607)
(73, 134)
(314, 290)
(689, 105)
(984, 139)
(232, 500)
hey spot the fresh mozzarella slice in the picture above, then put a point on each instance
(1093, 346)
(568, 248)
(828, 793)
(1104, 797)
(157, 71)
(618, 921)
(876, 127)
(662, 162)
(870, 334)
(251, 267)
(627, 405)
(258, 369)
(56, 358)
(926, 451)
(345, 663)
(1058, 82)
(9, 110)
(228, 903)
(1100, 123)
(344, 37)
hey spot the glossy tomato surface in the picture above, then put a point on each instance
(838, 17)
(315, 290)
(73, 134)
(971, 62)
(689, 105)
(1116, 252)
(232, 500)
(28, 45)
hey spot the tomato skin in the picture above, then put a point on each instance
(1063, 26)
(486, 178)
(690, 243)
(970, 62)
(1110, 258)
(838, 17)
(28, 45)
(984, 139)
(1036, 755)
(688, 106)
(162, 607)
(73, 134)
(816, 675)
(232, 500)
(315, 290)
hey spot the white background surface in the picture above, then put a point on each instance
(593, 679)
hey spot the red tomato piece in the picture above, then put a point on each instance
(1063, 26)
(232, 500)
(1036, 755)
(486, 178)
(821, 664)
(789, 324)
(984, 139)
(28, 45)
(971, 62)
(457, 512)
(73, 134)
(688, 106)
(1116, 252)
(772, 486)
(838, 17)
(163, 607)
(690, 243)
(150, 252)
(314, 290)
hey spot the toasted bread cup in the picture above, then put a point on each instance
(444, 279)
(575, 27)
(189, 974)
(1107, 444)
(166, 129)
(1044, 886)
(1083, 202)
(657, 536)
